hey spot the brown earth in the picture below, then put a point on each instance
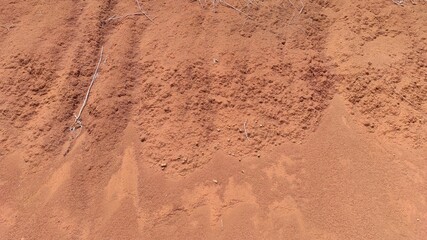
(290, 120)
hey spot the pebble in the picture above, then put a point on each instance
(215, 181)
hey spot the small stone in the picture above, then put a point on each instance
(228, 140)
(163, 165)
(258, 155)
(243, 171)
(261, 125)
(218, 130)
(215, 181)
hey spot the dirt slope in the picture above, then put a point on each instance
(290, 120)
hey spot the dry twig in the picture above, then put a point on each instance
(398, 2)
(302, 6)
(414, 106)
(401, 2)
(78, 121)
(139, 13)
(405, 99)
(216, 2)
(244, 128)
(296, 9)
(5, 28)
(125, 16)
(233, 7)
(142, 11)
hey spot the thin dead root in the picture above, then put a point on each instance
(78, 121)
(406, 100)
(402, 2)
(123, 17)
(244, 128)
(214, 3)
(302, 6)
(414, 106)
(143, 12)
(7, 28)
(139, 13)
(233, 7)
(296, 9)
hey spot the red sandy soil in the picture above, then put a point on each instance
(289, 121)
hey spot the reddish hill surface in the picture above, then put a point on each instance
(273, 120)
